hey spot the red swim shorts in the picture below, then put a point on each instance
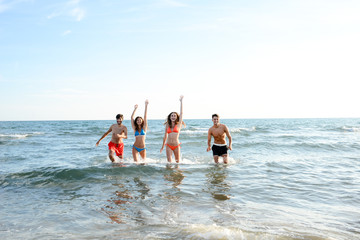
(117, 148)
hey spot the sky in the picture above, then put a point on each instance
(89, 60)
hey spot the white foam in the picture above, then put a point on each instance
(200, 231)
(14, 135)
(351, 129)
(214, 231)
(194, 132)
(20, 135)
(183, 160)
(237, 130)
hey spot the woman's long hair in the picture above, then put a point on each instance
(137, 127)
(168, 120)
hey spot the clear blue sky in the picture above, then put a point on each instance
(73, 60)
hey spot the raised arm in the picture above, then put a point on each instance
(103, 136)
(181, 112)
(145, 115)
(132, 117)
(165, 138)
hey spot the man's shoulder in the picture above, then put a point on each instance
(122, 126)
(223, 126)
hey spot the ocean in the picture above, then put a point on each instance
(286, 179)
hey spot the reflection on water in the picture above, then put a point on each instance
(120, 207)
(131, 202)
(116, 204)
(174, 174)
(171, 197)
(142, 187)
(217, 185)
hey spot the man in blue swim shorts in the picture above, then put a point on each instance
(219, 132)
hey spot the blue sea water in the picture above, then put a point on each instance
(287, 179)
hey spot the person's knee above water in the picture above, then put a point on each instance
(173, 126)
(140, 127)
(219, 132)
(119, 132)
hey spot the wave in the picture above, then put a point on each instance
(341, 129)
(195, 132)
(302, 146)
(49, 176)
(20, 135)
(289, 136)
(215, 231)
(14, 135)
(350, 129)
(239, 130)
(323, 146)
(184, 161)
(63, 176)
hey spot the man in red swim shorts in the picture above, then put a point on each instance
(117, 148)
(116, 145)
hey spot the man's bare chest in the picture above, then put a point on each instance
(117, 130)
(218, 132)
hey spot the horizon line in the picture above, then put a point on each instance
(157, 119)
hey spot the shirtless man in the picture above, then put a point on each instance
(116, 145)
(219, 132)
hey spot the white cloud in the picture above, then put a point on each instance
(78, 13)
(67, 32)
(53, 15)
(71, 8)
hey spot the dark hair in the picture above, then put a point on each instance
(119, 116)
(215, 115)
(168, 120)
(137, 127)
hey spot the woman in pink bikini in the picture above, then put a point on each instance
(172, 131)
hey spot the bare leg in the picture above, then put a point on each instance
(111, 155)
(177, 154)
(143, 154)
(135, 155)
(168, 154)
(225, 158)
(216, 158)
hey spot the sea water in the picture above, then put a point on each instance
(286, 179)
